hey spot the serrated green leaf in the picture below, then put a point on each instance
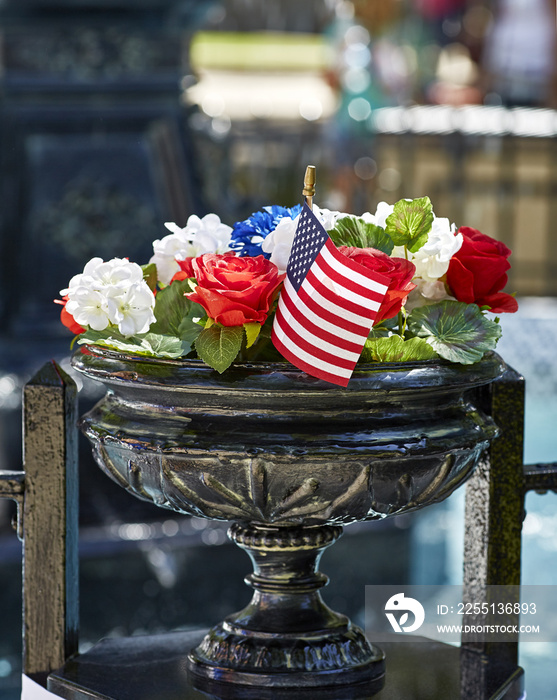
(457, 331)
(252, 333)
(218, 346)
(379, 331)
(385, 328)
(149, 344)
(91, 337)
(165, 346)
(357, 233)
(410, 223)
(150, 275)
(262, 349)
(395, 349)
(171, 307)
(191, 324)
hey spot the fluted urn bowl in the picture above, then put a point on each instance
(290, 459)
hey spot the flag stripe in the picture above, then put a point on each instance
(338, 264)
(311, 308)
(318, 351)
(327, 277)
(329, 300)
(330, 332)
(309, 367)
(366, 279)
(313, 334)
(307, 362)
(371, 302)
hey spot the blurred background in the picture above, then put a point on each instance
(116, 117)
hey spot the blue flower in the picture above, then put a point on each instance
(247, 236)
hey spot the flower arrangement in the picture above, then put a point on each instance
(210, 290)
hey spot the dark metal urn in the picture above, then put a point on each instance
(290, 459)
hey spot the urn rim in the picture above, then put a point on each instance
(114, 367)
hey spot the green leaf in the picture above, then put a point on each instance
(171, 306)
(110, 337)
(252, 332)
(262, 348)
(458, 332)
(410, 223)
(150, 275)
(219, 345)
(150, 344)
(357, 233)
(192, 324)
(379, 331)
(395, 349)
(385, 328)
(165, 346)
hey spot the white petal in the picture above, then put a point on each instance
(127, 326)
(171, 226)
(141, 296)
(91, 267)
(327, 217)
(369, 218)
(383, 211)
(194, 222)
(210, 221)
(280, 257)
(167, 267)
(97, 322)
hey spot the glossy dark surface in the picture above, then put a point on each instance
(266, 443)
(152, 668)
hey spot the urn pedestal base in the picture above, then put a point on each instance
(287, 637)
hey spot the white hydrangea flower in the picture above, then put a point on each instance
(97, 274)
(399, 252)
(432, 259)
(426, 292)
(89, 308)
(198, 236)
(132, 311)
(111, 292)
(165, 252)
(381, 215)
(328, 217)
(279, 242)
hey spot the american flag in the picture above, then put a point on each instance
(327, 305)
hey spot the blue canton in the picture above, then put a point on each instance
(310, 238)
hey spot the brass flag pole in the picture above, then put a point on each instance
(309, 185)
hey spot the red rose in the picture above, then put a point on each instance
(67, 319)
(179, 276)
(185, 266)
(478, 272)
(398, 270)
(234, 290)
